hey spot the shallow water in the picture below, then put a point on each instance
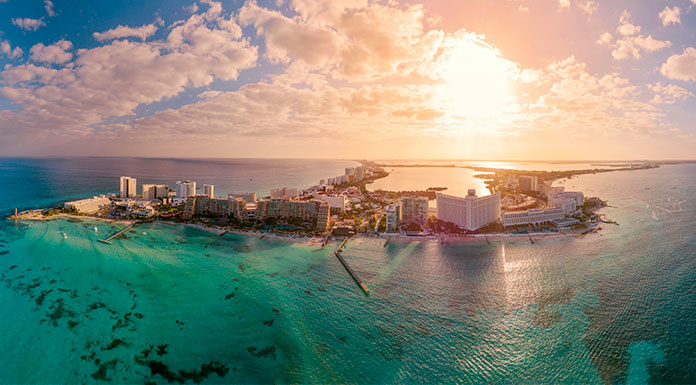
(614, 307)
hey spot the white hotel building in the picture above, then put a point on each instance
(532, 217)
(470, 212)
(185, 189)
(128, 187)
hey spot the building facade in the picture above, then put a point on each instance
(128, 188)
(528, 183)
(393, 217)
(284, 193)
(414, 209)
(155, 191)
(89, 205)
(209, 190)
(532, 217)
(334, 201)
(185, 189)
(470, 212)
(249, 197)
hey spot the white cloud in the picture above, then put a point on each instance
(48, 5)
(588, 7)
(122, 31)
(668, 94)
(28, 24)
(564, 3)
(7, 50)
(681, 67)
(629, 42)
(56, 53)
(670, 16)
(111, 80)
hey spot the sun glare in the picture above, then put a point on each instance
(475, 80)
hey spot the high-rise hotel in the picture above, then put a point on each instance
(470, 212)
(128, 187)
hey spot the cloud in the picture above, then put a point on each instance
(629, 42)
(681, 67)
(28, 24)
(668, 94)
(670, 16)
(48, 5)
(588, 7)
(348, 71)
(55, 53)
(352, 40)
(124, 31)
(564, 3)
(7, 50)
(112, 80)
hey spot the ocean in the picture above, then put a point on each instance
(169, 303)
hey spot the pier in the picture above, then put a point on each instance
(108, 240)
(350, 271)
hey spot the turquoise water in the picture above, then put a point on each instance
(170, 303)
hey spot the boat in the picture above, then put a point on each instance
(65, 236)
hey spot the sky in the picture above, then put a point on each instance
(437, 79)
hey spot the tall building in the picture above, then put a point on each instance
(155, 191)
(528, 183)
(577, 196)
(393, 217)
(359, 173)
(334, 201)
(414, 209)
(209, 190)
(284, 193)
(249, 197)
(532, 217)
(470, 212)
(185, 189)
(350, 171)
(128, 187)
(312, 210)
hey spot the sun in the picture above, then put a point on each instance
(475, 80)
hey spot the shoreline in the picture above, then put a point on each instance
(317, 241)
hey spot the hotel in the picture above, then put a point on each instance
(185, 189)
(393, 217)
(249, 197)
(89, 205)
(155, 191)
(470, 212)
(532, 217)
(209, 190)
(284, 193)
(129, 188)
(414, 209)
(528, 183)
(312, 210)
(334, 201)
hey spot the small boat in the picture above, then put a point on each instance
(95, 229)
(65, 236)
(144, 233)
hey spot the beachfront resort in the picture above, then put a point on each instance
(343, 206)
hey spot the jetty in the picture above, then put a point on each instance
(108, 240)
(350, 271)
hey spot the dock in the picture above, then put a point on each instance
(350, 271)
(108, 240)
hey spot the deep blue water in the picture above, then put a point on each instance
(171, 303)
